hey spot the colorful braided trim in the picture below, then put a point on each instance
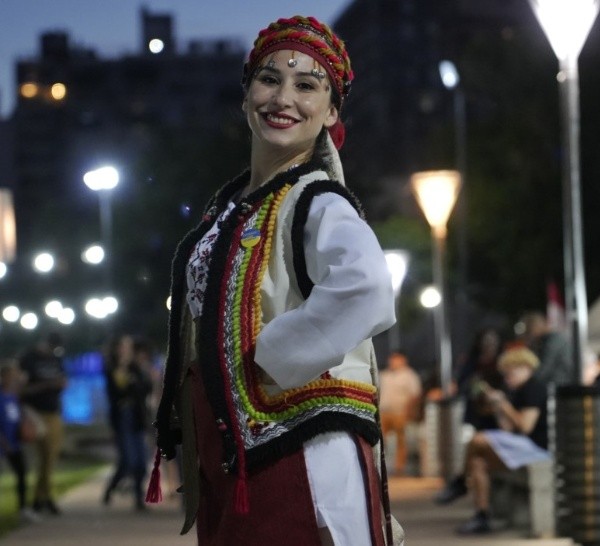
(257, 417)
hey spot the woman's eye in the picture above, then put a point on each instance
(306, 86)
(270, 80)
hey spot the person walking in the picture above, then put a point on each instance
(128, 386)
(270, 380)
(46, 379)
(11, 447)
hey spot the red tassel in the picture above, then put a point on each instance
(338, 134)
(154, 493)
(242, 503)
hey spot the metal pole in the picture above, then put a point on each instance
(106, 235)
(575, 289)
(444, 346)
(460, 126)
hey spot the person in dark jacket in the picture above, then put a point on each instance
(128, 386)
(46, 379)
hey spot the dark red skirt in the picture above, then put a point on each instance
(281, 508)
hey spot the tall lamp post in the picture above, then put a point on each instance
(397, 263)
(576, 425)
(103, 181)
(567, 24)
(451, 79)
(436, 192)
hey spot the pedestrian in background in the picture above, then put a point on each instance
(270, 375)
(11, 422)
(552, 349)
(46, 380)
(128, 386)
(399, 402)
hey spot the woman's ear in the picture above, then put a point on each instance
(245, 105)
(332, 117)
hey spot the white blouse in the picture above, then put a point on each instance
(352, 300)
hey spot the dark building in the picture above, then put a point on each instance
(398, 102)
(77, 111)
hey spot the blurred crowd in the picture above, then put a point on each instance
(502, 382)
(502, 385)
(32, 425)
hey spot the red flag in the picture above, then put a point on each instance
(555, 308)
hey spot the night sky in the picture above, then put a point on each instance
(111, 27)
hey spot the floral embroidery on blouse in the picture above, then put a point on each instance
(199, 264)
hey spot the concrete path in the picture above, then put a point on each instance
(86, 522)
(427, 524)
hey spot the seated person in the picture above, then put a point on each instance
(480, 367)
(521, 438)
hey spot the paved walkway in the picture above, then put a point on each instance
(85, 522)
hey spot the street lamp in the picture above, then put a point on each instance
(103, 180)
(567, 24)
(576, 426)
(397, 263)
(451, 79)
(436, 193)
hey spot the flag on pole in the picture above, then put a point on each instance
(555, 308)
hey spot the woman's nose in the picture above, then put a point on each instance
(282, 96)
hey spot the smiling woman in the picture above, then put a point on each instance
(270, 383)
(287, 104)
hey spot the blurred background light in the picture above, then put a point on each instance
(66, 316)
(449, 74)
(53, 308)
(11, 313)
(156, 46)
(95, 308)
(430, 297)
(58, 91)
(93, 254)
(29, 90)
(110, 304)
(43, 262)
(104, 178)
(8, 227)
(29, 321)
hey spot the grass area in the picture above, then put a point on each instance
(70, 472)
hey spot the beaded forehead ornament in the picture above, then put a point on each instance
(309, 36)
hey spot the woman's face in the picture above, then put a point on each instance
(287, 106)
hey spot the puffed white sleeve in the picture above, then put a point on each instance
(352, 298)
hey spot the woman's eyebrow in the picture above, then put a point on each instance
(269, 69)
(276, 71)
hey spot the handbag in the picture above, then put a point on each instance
(32, 427)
